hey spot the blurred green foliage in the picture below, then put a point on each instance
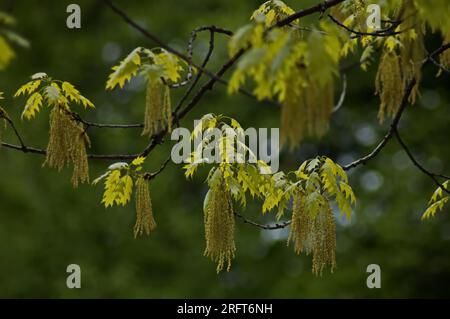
(45, 225)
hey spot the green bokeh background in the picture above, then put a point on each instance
(46, 225)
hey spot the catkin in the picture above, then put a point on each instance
(314, 235)
(219, 226)
(293, 118)
(145, 221)
(158, 108)
(306, 112)
(389, 84)
(359, 11)
(445, 56)
(67, 144)
(412, 49)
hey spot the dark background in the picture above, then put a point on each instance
(46, 225)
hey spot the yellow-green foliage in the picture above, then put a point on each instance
(271, 12)
(437, 201)
(219, 222)
(118, 186)
(435, 13)
(284, 64)
(160, 68)
(67, 137)
(43, 90)
(7, 38)
(319, 181)
(119, 180)
(145, 221)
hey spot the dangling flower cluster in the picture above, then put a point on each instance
(314, 233)
(145, 221)
(313, 229)
(359, 12)
(68, 138)
(67, 145)
(299, 71)
(219, 223)
(445, 56)
(119, 187)
(306, 112)
(389, 84)
(158, 109)
(412, 50)
(160, 68)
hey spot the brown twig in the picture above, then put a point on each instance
(266, 227)
(433, 176)
(389, 134)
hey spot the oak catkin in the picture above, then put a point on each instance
(359, 11)
(314, 235)
(219, 226)
(306, 112)
(158, 108)
(67, 145)
(389, 84)
(444, 58)
(412, 51)
(293, 120)
(145, 221)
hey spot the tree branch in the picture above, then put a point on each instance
(163, 45)
(265, 227)
(380, 33)
(212, 30)
(388, 136)
(150, 176)
(397, 117)
(320, 8)
(418, 165)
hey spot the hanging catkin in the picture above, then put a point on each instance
(445, 56)
(306, 112)
(79, 155)
(158, 108)
(389, 84)
(359, 11)
(145, 221)
(219, 226)
(293, 118)
(412, 50)
(314, 234)
(67, 144)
